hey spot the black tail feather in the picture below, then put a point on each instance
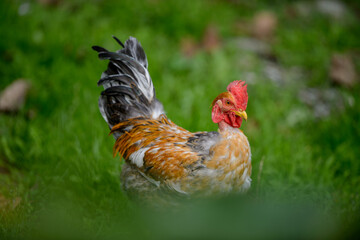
(129, 91)
(118, 41)
(99, 49)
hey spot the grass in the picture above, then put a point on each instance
(59, 154)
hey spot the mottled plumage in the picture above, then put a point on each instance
(162, 160)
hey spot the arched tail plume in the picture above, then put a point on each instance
(128, 88)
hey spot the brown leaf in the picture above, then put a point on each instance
(264, 25)
(188, 46)
(211, 39)
(342, 70)
(13, 97)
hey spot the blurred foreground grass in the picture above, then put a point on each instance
(58, 176)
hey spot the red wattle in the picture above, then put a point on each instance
(216, 114)
(233, 120)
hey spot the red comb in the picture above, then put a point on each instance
(239, 90)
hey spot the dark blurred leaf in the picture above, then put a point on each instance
(51, 3)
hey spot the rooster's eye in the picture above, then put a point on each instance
(227, 102)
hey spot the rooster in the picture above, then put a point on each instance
(162, 159)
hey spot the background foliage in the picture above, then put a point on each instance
(58, 177)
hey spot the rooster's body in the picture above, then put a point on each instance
(161, 158)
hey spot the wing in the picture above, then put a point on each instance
(161, 149)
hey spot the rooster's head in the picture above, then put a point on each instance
(229, 107)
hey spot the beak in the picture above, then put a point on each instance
(241, 114)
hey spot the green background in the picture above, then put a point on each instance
(60, 179)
